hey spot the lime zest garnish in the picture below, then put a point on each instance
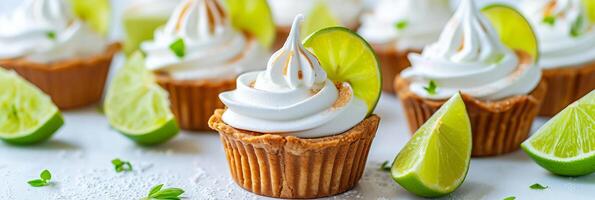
(549, 20)
(431, 88)
(121, 165)
(44, 179)
(575, 29)
(401, 24)
(51, 35)
(178, 47)
(510, 198)
(538, 186)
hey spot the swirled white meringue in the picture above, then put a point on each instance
(469, 57)
(46, 31)
(346, 11)
(292, 97)
(558, 46)
(213, 49)
(423, 19)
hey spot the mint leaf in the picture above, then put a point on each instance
(402, 24)
(169, 193)
(51, 35)
(178, 48)
(45, 175)
(549, 20)
(575, 29)
(120, 165)
(538, 186)
(510, 198)
(37, 183)
(431, 88)
(385, 166)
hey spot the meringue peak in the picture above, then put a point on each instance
(198, 20)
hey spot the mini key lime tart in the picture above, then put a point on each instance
(566, 34)
(346, 12)
(303, 127)
(396, 28)
(197, 55)
(490, 57)
(66, 57)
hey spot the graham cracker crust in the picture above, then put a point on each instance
(566, 85)
(291, 167)
(71, 83)
(498, 127)
(193, 101)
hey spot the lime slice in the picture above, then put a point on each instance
(28, 115)
(514, 30)
(253, 17)
(319, 17)
(347, 57)
(435, 161)
(590, 9)
(565, 145)
(139, 26)
(95, 12)
(138, 107)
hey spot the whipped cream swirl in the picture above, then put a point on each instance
(566, 35)
(346, 11)
(45, 31)
(212, 48)
(405, 24)
(292, 97)
(469, 57)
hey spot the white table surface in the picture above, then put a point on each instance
(79, 158)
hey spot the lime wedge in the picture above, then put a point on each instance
(590, 9)
(435, 161)
(319, 17)
(347, 57)
(253, 17)
(514, 30)
(138, 107)
(95, 12)
(28, 115)
(565, 145)
(139, 26)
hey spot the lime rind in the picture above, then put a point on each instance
(590, 9)
(30, 115)
(514, 29)
(565, 145)
(422, 167)
(253, 17)
(137, 106)
(333, 47)
(318, 18)
(97, 13)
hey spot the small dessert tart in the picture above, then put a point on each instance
(197, 55)
(292, 132)
(46, 44)
(346, 11)
(396, 28)
(566, 33)
(500, 85)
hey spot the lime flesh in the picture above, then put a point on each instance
(140, 28)
(590, 8)
(346, 57)
(514, 30)
(138, 107)
(565, 145)
(435, 161)
(253, 17)
(319, 17)
(31, 115)
(97, 13)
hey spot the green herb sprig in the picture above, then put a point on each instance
(121, 165)
(178, 47)
(510, 198)
(51, 35)
(385, 166)
(538, 186)
(402, 24)
(44, 179)
(431, 88)
(157, 193)
(549, 20)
